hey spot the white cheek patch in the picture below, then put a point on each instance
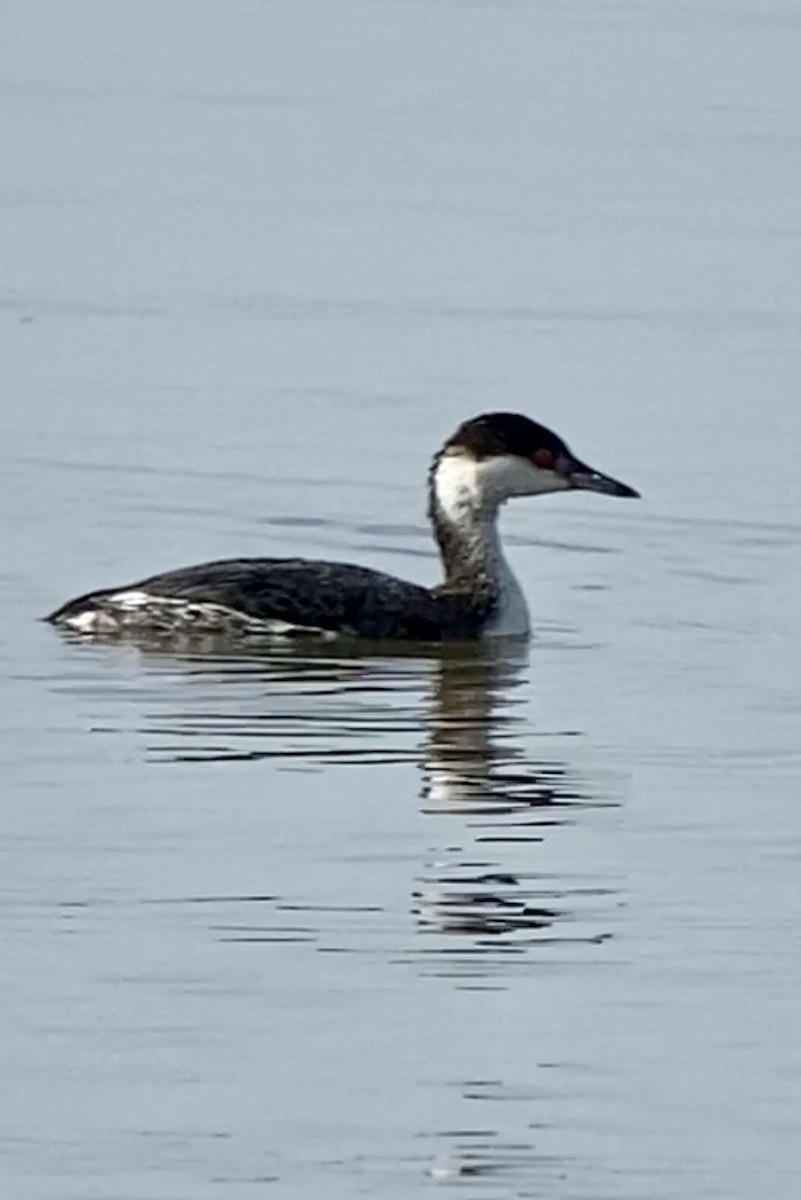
(462, 482)
(508, 475)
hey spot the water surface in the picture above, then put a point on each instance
(328, 921)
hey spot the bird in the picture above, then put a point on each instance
(488, 460)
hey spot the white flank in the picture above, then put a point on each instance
(131, 600)
(92, 621)
(134, 609)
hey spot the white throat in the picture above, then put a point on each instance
(467, 495)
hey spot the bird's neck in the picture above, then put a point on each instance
(464, 517)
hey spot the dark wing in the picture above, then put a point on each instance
(339, 597)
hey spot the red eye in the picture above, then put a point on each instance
(543, 458)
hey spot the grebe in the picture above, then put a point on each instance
(487, 461)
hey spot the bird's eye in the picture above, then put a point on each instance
(543, 458)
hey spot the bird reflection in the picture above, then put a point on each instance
(492, 785)
(475, 766)
(474, 760)
(491, 887)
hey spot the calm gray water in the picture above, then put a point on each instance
(318, 923)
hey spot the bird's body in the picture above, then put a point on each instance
(274, 595)
(487, 461)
